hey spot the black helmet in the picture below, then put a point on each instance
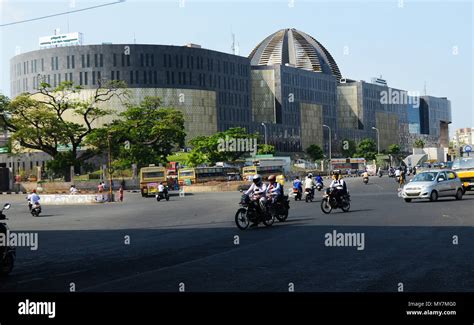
(310, 175)
(257, 179)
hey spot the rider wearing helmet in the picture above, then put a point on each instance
(258, 190)
(274, 190)
(339, 185)
(309, 183)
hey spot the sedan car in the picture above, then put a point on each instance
(433, 184)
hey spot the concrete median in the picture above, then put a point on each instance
(76, 199)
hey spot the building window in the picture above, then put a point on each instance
(167, 77)
(150, 76)
(52, 65)
(155, 77)
(70, 76)
(137, 77)
(59, 78)
(65, 77)
(131, 77)
(72, 61)
(67, 62)
(172, 77)
(123, 59)
(164, 60)
(112, 75)
(118, 75)
(152, 58)
(144, 77)
(101, 59)
(98, 77)
(93, 77)
(88, 61)
(80, 78)
(115, 60)
(141, 59)
(190, 78)
(83, 60)
(146, 59)
(128, 60)
(96, 61)
(85, 78)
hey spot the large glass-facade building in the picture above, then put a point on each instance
(289, 86)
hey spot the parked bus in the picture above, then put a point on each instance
(264, 171)
(150, 178)
(205, 174)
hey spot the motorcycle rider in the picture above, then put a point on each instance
(297, 184)
(319, 179)
(365, 175)
(33, 199)
(339, 186)
(258, 191)
(309, 183)
(274, 190)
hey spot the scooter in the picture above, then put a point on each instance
(297, 193)
(163, 195)
(366, 180)
(7, 253)
(35, 209)
(319, 186)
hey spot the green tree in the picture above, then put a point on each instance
(367, 149)
(144, 134)
(394, 149)
(348, 148)
(222, 146)
(265, 149)
(315, 152)
(56, 118)
(419, 143)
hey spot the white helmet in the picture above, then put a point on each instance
(257, 179)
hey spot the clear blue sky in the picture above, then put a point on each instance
(408, 46)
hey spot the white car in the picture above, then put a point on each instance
(433, 184)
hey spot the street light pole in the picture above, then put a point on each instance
(265, 128)
(378, 139)
(330, 152)
(109, 140)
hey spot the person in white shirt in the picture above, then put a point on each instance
(339, 185)
(258, 190)
(73, 190)
(309, 183)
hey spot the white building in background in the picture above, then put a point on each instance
(463, 136)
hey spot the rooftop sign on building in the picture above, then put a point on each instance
(59, 40)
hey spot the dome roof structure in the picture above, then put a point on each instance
(298, 49)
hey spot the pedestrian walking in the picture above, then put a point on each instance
(121, 194)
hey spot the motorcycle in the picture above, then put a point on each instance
(163, 195)
(7, 253)
(280, 208)
(330, 202)
(250, 212)
(297, 193)
(309, 194)
(366, 180)
(319, 186)
(35, 209)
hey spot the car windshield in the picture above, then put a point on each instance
(463, 163)
(425, 177)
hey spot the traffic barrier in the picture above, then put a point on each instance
(73, 199)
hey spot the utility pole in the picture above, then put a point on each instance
(109, 142)
(330, 153)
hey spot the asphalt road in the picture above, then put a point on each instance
(190, 241)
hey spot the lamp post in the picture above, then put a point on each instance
(109, 141)
(378, 139)
(265, 128)
(330, 153)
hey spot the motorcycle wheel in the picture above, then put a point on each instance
(307, 198)
(346, 206)
(282, 216)
(325, 206)
(7, 265)
(167, 197)
(241, 219)
(269, 221)
(158, 198)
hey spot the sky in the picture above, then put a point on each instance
(414, 45)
